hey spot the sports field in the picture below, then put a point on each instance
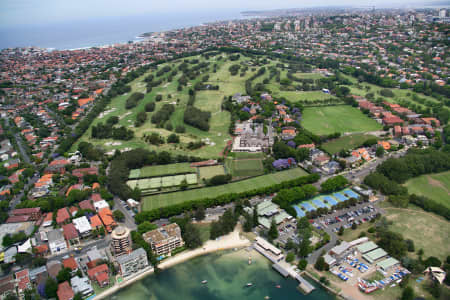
(433, 186)
(245, 167)
(162, 182)
(340, 118)
(162, 200)
(346, 142)
(161, 170)
(210, 171)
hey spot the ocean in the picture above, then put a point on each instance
(227, 274)
(103, 31)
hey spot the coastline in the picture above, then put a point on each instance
(229, 241)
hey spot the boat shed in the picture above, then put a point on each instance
(367, 247)
(374, 255)
(388, 263)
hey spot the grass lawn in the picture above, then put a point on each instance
(346, 142)
(161, 170)
(211, 171)
(433, 186)
(162, 200)
(428, 231)
(245, 167)
(341, 118)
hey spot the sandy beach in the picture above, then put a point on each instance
(230, 241)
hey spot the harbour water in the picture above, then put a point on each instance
(227, 274)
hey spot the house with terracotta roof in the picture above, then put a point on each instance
(62, 216)
(57, 166)
(48, 219)
(85, 102)
(85, 171)
(65, 291)
(385, 145)
(86, 205)
(96, 223)
(34, 213)
(431, 121)
(71, 264)
(106, 216)
(23, 281)
(41, 250)
(71, 234)
(100, 274)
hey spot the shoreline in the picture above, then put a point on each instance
(226, 242)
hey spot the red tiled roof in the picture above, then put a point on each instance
(18, 219)
(70, 232)
(86, 204)
(70, 263)
(62, 215)
(65, 292)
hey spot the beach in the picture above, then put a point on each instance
(230, 241)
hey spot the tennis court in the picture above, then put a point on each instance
(340, 197)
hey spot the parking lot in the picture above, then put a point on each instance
(358, 214)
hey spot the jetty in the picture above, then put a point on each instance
(285, 269)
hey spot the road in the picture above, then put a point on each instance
(129, 220)
(16, 200)
(100, 244)
(315, 255)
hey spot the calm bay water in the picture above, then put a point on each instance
(227, 274)
(102, 31)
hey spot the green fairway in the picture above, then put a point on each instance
(161, 170)
(340, 118)
(433, 186)
(210, 171)
(163, 200)
(346, 142)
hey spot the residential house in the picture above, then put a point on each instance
(71, 264)
(106, 216)
(83, 226)
(100, 275)
(81, 285)
(62, 216)
(56, 241)
(65, 291)
(71, 234)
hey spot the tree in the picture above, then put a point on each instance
(341, 230)
(320, 264)
(150, 107)
(146, 226)
(379, 152)
(255, 216)
(200, 213)
(191, 236)
(78, 296)
(248, 224)
(273, 231)
(51, 287)
(302, 264)
(173, 138)
(184, 185)
(64, 275)
(290, 257)
(354, 226)
(334, 184)
(118, 215)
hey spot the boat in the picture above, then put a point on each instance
(249, 284)
(266, 297)
(204, 281)
(278, 286)
(249, 260)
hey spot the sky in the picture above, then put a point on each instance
(43, 12)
